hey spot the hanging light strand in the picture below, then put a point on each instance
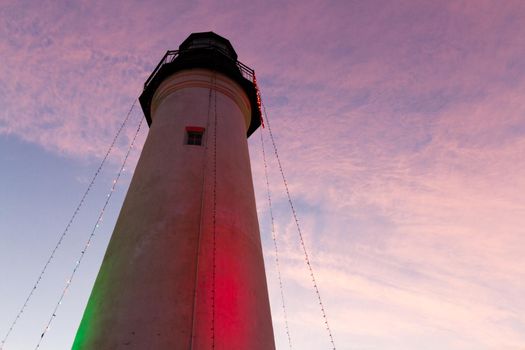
(274, 237)
(214, 271)
(90, 238)
(258, 94)
(66, 230)
(294, 213)
(203, 191)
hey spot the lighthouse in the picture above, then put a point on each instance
(184, 267)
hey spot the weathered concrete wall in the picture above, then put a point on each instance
(155, 287)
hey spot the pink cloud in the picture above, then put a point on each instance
(400, 126)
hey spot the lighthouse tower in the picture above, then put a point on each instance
(184, 268)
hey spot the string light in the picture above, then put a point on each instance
(66, 230)
(259, 100)
(203, 186)
(90, 238)
(276, 250)
(303, 245)
(214, 212)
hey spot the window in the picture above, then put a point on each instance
(194, 138)
(194, 135)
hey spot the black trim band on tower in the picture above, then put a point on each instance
(204, 50)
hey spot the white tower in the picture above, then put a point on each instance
(184, 268)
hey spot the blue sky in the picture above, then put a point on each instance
(401, 126)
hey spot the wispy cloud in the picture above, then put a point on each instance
(401, 127)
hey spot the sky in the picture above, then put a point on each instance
(400, 126)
